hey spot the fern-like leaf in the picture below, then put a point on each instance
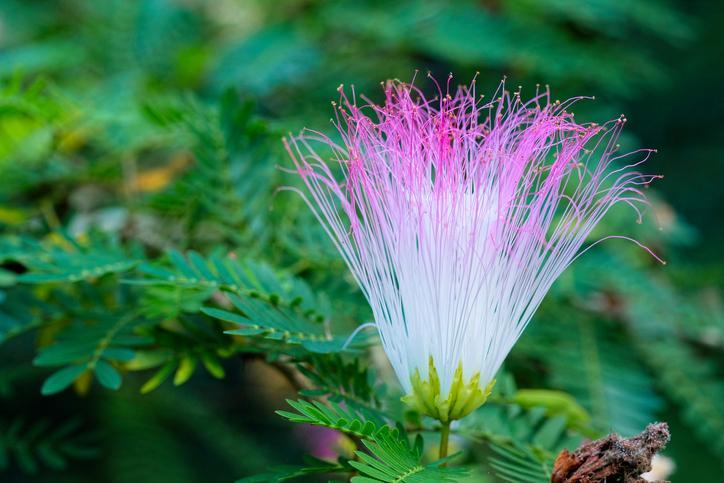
(37, 444)
(64, 259)
(95, 347)
(267, 305)
(331, 416)
(392, 459)
(314, 466)
(516, 463)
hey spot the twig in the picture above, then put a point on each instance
(611, 459)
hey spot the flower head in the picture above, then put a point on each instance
(455, 217)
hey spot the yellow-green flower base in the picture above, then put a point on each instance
(463, 399)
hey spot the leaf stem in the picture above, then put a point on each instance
(444, 436)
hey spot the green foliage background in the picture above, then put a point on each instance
(160, 299)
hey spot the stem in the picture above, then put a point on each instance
(444, 435)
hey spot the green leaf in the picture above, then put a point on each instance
(267, 305)
(61, 379)
(516, 463)
(107, 375)
(266, 59)
(227, 185)
(331, 416)
(41, 443)
(284, 473)
(228, 275)
(185, 370)
(16, 316)
(550, 432)
(158, 378)
(392, 456)
(591, 363)
(351, 382)
(69, 261)
(212, 365)
(392, 459)
(667, 332)
(278, 322)
(108, 338)
(227, 316)
(555, 402)
(7, 278)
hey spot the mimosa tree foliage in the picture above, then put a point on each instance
(160, 298)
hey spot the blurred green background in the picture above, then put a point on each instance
(157, 124)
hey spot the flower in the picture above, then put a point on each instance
(455, 217)
(661, 468)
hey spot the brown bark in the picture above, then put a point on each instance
(611, 459)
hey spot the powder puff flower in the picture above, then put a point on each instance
(455, 217)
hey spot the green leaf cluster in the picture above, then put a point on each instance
(158, 285)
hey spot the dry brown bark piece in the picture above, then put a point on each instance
(611, 459)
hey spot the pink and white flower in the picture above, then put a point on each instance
(456, 215)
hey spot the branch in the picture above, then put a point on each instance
(612, 458)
